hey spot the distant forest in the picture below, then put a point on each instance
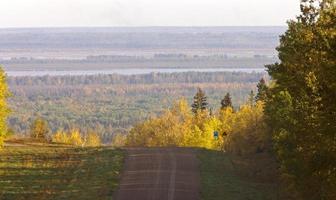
(108, 62)
(145, 37)
(113, 103)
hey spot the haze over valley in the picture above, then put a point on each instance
(41, 49)
(54, 72)
(168, 100)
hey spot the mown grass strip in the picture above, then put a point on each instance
(37, 172)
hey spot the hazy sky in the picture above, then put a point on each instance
(37, 13)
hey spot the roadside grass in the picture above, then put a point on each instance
(224, 177)
(43, 171)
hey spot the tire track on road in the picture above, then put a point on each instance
(160, 174)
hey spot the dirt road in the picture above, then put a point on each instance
(160, 174)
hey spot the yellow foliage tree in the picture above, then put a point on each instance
(177, 126)
(227, 118)
(75, 137)
(118, 140)
(170, 129)
(39, 129)
(61, 137)
(4, 110)
(248, 130)
(193, 137)
(241, 132)
(210, 126)
(92, 139)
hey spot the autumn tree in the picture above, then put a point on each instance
(151, 132)
(118, 140)
(92, 139)
(75, 137)
(242, 132)
(226, 101)
(4, 110)
(39, 129)
(246, 130)
(175, 127)
(61, 137)
(200, 101)
(302, 105)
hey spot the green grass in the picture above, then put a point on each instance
(59, 172)
(224, 178)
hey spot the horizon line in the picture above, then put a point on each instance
(149, 26)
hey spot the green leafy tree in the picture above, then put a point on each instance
(4, 110)
(39, 129)
(226, 101)
(302, 105)
(262, 90)
(200, 101)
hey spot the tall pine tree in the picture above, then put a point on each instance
(226, 101)
(262, 90)
(200, 101)
(250, 99)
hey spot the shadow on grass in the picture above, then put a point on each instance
(225, 177)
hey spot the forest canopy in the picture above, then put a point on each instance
(301, 105)
(113, 103)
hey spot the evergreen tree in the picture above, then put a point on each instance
(200, 101)
(250, 100)
(262, 90)
(226, 101)
(4, 110)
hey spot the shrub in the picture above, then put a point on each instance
(39, 129)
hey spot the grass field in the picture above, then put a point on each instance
(227, 178)
(43, 171)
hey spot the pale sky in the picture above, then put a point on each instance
(64, 13)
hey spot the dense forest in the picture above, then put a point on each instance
(108, 62)
(114, 103)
